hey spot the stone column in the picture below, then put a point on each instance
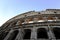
(34, 34)
(50, 33)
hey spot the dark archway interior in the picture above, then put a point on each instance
(56, 31)
(27, 34)
(13, 35)
(3, 35)
(42, 33)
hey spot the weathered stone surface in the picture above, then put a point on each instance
(33, 25)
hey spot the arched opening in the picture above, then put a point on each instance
(42, 33)
(51, 18)
(3, 35)
(13, 35)
(41, 18)
(56, 31)
(27, 34)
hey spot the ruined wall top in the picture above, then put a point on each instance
(52, 9)
(31, 13)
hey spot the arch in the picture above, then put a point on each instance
(3, 35)
(42, 33)
(56, 32)
(27, 34)
(51, 18)
(13, 35)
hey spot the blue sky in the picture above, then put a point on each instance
(11, 8)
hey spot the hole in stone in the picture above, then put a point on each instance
(27, 34)
(55, 12)
(56, 31)
(42, 33)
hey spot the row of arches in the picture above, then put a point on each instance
(39, 19)
(31, 20)
(41, 34)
